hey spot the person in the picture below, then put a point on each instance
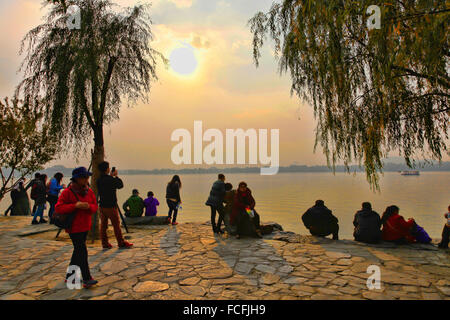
(228, 200)
(54, 188)
(40, 199)
(33, 185)
(215, 202)
(244, 214)
(395, 228)
(367, 225)
(320, 221)
(20, 204)
(80, 198)
(107, 185)
(134, 206)
(150, 205)
(173, 198)
(445, 232)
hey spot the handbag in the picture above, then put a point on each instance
(64, 221)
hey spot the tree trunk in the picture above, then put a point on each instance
(98, 156)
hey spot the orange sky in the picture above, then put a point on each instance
(225, 91)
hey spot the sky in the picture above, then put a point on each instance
(212, 78)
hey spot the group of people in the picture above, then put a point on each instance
(235, 208)
(370, 227)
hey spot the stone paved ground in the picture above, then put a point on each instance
(189, 262)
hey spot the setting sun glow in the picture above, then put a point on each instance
(183, 60)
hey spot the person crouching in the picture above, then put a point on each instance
(80, 198)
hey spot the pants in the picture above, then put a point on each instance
(323, 231)
(52, 200)
(247, 226)
(113, 215)
(39, 212)
(172, 208)
(220, 211)
(445, 237)
(80, 254)
(10, 208)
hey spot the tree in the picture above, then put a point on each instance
(373, 91)
(26, 143)
(83, 74)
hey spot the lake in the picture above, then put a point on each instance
(284, 197)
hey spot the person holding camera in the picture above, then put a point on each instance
(107, 185)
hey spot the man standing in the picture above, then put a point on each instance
(215, 201)
(320, 221)
(107, 185)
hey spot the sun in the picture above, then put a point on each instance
(183, 60)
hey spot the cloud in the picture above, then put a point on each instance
(200, 43)
(182, 3)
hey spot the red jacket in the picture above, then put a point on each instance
(396, 228)
(66, 204)
(240, 202)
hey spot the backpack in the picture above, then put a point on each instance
(64, 221)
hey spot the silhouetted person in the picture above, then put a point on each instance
(173, 198)
(446, 231)
(215, 202)
(320, 221)
(367, 225)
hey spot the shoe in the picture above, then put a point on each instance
(238, 236)
(126, 245)
(89, 283)
(42, 221)
(34, 222)
(107, 246)
(335, 238)
(174, 223)
(221, 231)
(169, 220)
(258, 234)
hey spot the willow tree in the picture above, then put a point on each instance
(373, 90)
(82, 75)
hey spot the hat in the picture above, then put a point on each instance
(80, 172)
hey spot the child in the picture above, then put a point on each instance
(446, 232)
(150, 205)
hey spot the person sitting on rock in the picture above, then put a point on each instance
(151, 204)
(320, 221)
(243, 213)
(446, 232)
(367, 225)
(395, 228)
(134, 206)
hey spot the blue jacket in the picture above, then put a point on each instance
(55, 187)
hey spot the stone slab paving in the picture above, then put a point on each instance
(190, 262)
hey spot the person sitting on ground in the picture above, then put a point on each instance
(134, 206)
(367, 225)
(150, 205)
(395, 228)
(445, 232)
(215, 202)
(40, 199)
(244, 214)
(227, 209)
(320, 221)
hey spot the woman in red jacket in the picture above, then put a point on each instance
(395, 227)
(80, 198)
(242, 201)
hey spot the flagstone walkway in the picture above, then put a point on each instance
(189, 262)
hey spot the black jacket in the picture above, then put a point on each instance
(173, 191)
(319, 217)
(367, 226)
(107, 187)
(216, 194)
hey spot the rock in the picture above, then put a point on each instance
(113, 267)
(155, 220)
(269, 278)
(265, 268)
(190, 281)
(285, 269)
(194, 290)
(337, 255)
(150, 286)
(243, 268)
(216, 273)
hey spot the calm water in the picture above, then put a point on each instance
(284, 197)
